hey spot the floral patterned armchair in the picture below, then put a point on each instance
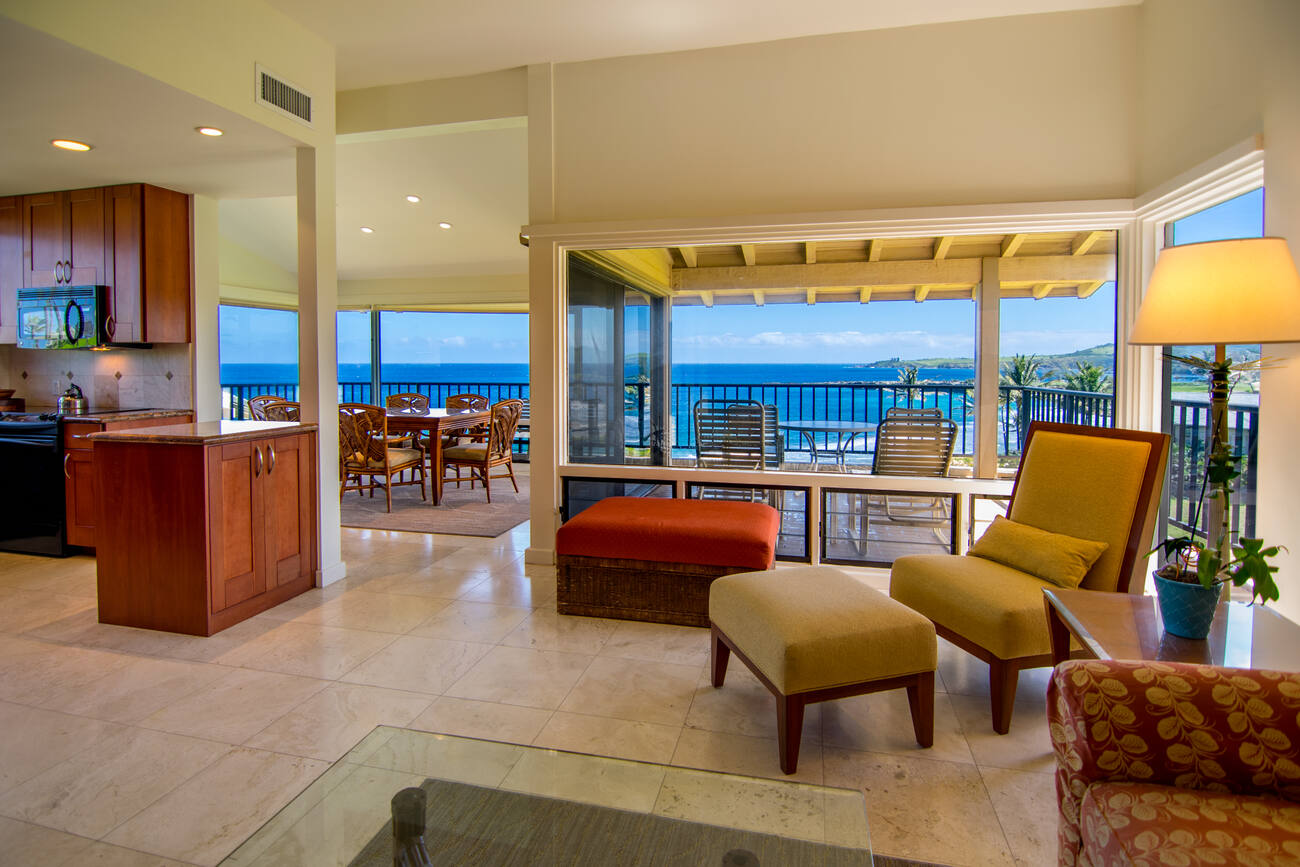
(1175, 764)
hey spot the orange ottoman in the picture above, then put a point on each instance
(653, 558)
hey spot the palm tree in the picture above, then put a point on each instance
(907, 374)
(1022, 371)
(1087, 376)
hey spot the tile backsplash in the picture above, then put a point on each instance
(112, 379)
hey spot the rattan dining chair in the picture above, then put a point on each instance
(480, 458)
(256, 405)
(282, 410)
(407, 401)
(363, 452)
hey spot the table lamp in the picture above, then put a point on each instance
(1243, 290)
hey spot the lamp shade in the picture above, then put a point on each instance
(1244, 290)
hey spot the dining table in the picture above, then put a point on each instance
(438, 422)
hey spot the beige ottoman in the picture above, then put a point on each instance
(813, 634)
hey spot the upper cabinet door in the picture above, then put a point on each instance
(85, 255)
(45, 238)
(63, 238)
(11, 265)
(126, 278)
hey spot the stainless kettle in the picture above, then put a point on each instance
(72, 401)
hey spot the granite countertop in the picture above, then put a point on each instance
(111, 415)
(203, 433)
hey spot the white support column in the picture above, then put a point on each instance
(546, 320)
(988, 296)
(317, 344)
(545, 397)
(206, 262)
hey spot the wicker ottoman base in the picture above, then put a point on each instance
(637, 589)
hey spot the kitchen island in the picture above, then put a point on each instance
(204, 525)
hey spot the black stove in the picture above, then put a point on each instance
(33, 510)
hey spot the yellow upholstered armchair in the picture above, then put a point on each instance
(1081, 485)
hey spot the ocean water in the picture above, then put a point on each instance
(693, 374)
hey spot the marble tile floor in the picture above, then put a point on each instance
(132, 747)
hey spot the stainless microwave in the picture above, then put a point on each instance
(61, 317)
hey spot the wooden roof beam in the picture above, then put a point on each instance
(849, 276)
(810, 252)
(759, 297)
(941, 246)
(1083, 243)
(921, 293)
(874, 248)
(812, 296)
(1086, 289)
(747, 251)
(707, 298)
(688, 256)
(1010, 244)
(1041, 291)
(864, 295)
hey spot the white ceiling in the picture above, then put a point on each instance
(413, 40)
(475, 176)
(141, 129)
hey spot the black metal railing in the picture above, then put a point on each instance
(863, 403)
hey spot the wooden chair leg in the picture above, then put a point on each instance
(510, 468)
(920, 696)
(423, 479)
(719, 654)
(789, 730)
(388, 491)
(1002, 690)
(487, 485)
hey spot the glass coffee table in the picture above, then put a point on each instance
(490, 803)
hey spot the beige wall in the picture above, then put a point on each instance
(250, 278)
(488, 96)
(1031, 108)
(1213, 73)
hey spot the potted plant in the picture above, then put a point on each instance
(1190, 583)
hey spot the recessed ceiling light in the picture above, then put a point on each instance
(444, 225)
(208, 130)
(413, 199)
(70, 145)
(367, 230)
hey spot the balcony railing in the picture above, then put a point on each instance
(867, 402)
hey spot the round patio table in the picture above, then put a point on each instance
(845, 433)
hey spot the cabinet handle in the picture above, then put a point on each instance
(66, 457)
(110, 326)
(257, 461)
(58, 272)
(270, 454)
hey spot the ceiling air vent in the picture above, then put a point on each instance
(283, 97)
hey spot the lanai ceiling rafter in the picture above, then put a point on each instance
(1032, 265)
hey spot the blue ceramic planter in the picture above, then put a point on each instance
(1186, 609)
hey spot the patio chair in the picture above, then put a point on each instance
(1079, 484)
(736, 434)
(281, 410)
(914, 442)
(364, 452)
(257, 404)
(480, 458)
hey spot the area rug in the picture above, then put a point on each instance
(471, 825)
(462, 512)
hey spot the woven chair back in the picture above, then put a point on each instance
(730, 434)
(284, 410)
(473, 402)
(409, 401)
(362, 431)
(257, 405)
(501, 431)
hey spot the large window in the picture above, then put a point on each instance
(258, 355)
(1186, 415)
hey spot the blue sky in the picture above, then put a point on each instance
(839, 333)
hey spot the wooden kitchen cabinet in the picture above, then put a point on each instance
(204, 525)
(79, 467)
(63, 238)
(11, 265)
(147, 243)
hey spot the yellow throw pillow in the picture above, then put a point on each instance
(1062, 560)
